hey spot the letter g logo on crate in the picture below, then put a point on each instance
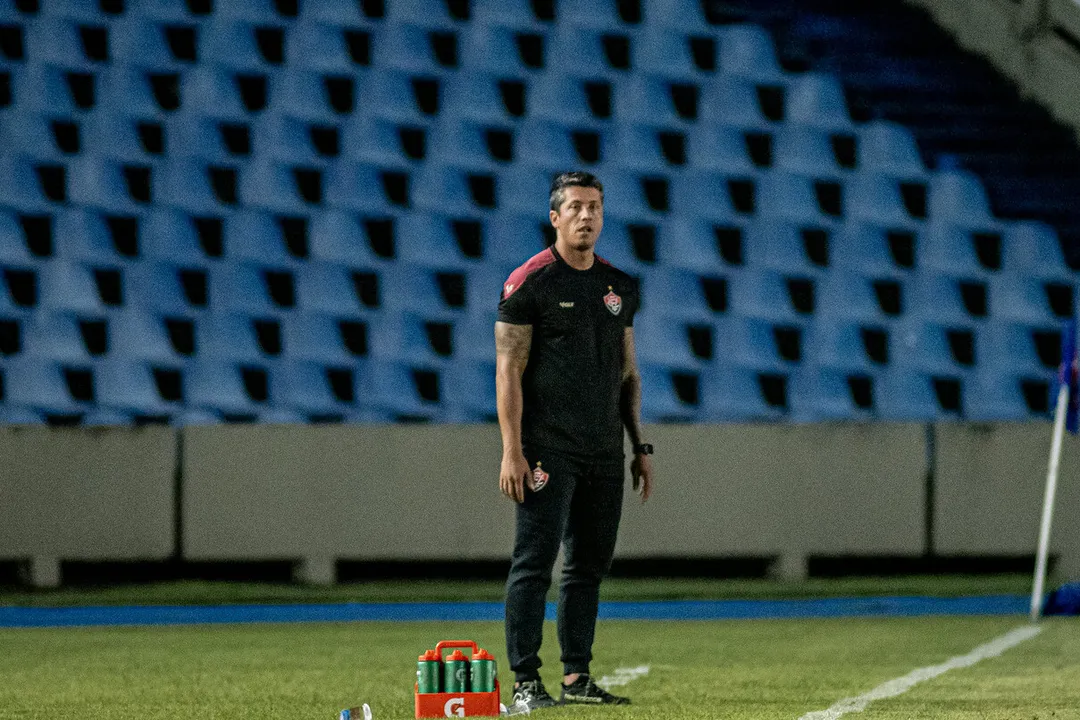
(454, 707)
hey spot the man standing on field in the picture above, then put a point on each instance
(567, 383)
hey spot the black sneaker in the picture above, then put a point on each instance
(532, 694)
(586, 692)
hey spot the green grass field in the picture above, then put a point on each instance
(722, 669)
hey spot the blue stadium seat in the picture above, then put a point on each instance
(469, 392)
(13, 247)
(15, 301)
(160, 287)
(838, 343)
(746, 50)
(66, 286)
(922, 345)
(31, 135)
(720, 148)
(493, 49)
(324, 47)
(1030, 248)
(172, 237)
(255, 11)
(876, 199)
(792, 197)
(120, 136)
(418, 290)
(817, 99)
(731, 100)
(427, 13)
(373, 140)
(14, 415)
(200, 136)
(82, 236)
(1012, 346)
(128, 89)
(806, 150)
(1020, 300)
(358, 187)
(143, 43)
(577, 51)
(39, 384)
(77, 10)
(257, 238)
(596, 14)
(324, 338)
(665, 341)
(229, 334)
(335, 12)
(474, 336)
(675, 293)
(106, 417)
(905, 395)
(240, 288)
(761, 294)
(314, 390)
(526, 189)
(427, 240)
(188, 184)
(704, 194)
(331, 288)
(844, 294)
(136, 335)
(219, 386)
(471, 95)
(824, 395)
(466, 144)
(950, 249)
(484, 285)
(998, 397)
(393, 388)
(637, 147)
(216, 92)
(287, 139)
(20, 184)
(512, 239)
(625, 197)
(129, 386)
(776, 245)
(55, 336)
(42, 88)
(616, 245)
(55, 41)
(406, 48)
(447, 188)
(667, 53)
(339, 237)
(517, 14)
(277, 187)
(325, 98)
(864, 249)
(644, 99)
(689, 244)
(102, 183)
(555, 96)
(160, 10)
(660, 401)
(938, 297)
(403, 337)
(730, 393)
(958, 196)
(888, 148)
(391, 94)
(683, 15)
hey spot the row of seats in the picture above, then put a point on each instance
(686, 15)
(324, 287)
(879, 147)
(688, 344)
(438, 240)
(124, 391)
(811, 99)
(198, 186)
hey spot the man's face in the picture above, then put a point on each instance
(580, 217)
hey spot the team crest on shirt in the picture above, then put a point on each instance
(613, 302)
(539, 478)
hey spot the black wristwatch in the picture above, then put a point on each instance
(643, 449)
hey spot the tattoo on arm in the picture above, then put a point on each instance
(513, 341)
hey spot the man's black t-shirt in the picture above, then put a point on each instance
(573, 379)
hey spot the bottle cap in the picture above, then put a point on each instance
(429, 656)
(457, 655)
(482, 654)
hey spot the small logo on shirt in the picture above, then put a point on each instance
(539, 478)
(613, 302)
(566, 304)
(509, 288)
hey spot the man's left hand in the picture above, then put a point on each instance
(641, 473)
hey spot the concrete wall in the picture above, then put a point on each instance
(316, 494)
(85, 495)
(1027, 41)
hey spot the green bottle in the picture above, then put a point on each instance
(456, 673)
(482, 669)
(427, 672)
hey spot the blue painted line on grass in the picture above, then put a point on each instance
(23, 617)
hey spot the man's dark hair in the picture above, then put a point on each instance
(572, 179)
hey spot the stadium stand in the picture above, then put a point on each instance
(237, 212)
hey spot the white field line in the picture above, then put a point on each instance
(897, 686)
(623, 676)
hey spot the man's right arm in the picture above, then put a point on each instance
(512, 345)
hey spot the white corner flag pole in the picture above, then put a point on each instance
(1048, 502)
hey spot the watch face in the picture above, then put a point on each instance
(645, 449)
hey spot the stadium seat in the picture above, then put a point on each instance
(846, 295)
(1000, 397)
(173, 237)
(254, 11)
(762, 294)
(923, 345)
(476, 96)
(34, 135)
(326, 98)
(134, 139)
(526, 189)
(958, 197)
(406, 48)
(733, 101)
(40, 385)
(938, 297)
(328, 47)
(795, 198)
(1018, 347)
(233, 335)
(865, 249)
(708, 195)
(78, 10)
(518, 14)
(363, 188)
(827, 395)
(660, 400)
(484, 285)
(258, 238)
(668, 53)
(56, 336)
(730, 393)
(204, 137)
(595, 14)
(67, 286)
(626, 195)
(666, 341)
(135, 387)
(888, 148)
(471, 145)
(950, 249)
(346, 13)
(394, 388)
(159, 10)
(839, 344)
(454, 190)
(776, 245)
(571, 100)
(1031, 249)
(676, 294)
(616, 245)
(1022, 300)
(196, 186)
(82, 236)
(876, 199)
(47, 88)
(428, 13)
(334, 289)
(469, 392)
(689, 244)
(340, 237)
(167, 289)
(55, 41)
(474, 335)
(423, 291)
(640, 98)
(14, 415)
(326, 339)
(109, 185)
(145, 43)
(905, 395)
(280, 187)
(22, 184)
(806, 150)
(13, 246)
(136, 335)
(497, 50)
(638, 148)
(406, 337)
(746, 50)
(512, 239)
(314, 390)
(719, 148)
(226, 388)
(241, 288)
(373, 140)
(142, 93)
(427, 240)
(817, 100)
(577, 51)
(682, 15)
(217, 93)
(397, 96)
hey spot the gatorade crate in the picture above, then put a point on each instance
(459, 704)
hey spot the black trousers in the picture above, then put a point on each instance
(580, 507)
